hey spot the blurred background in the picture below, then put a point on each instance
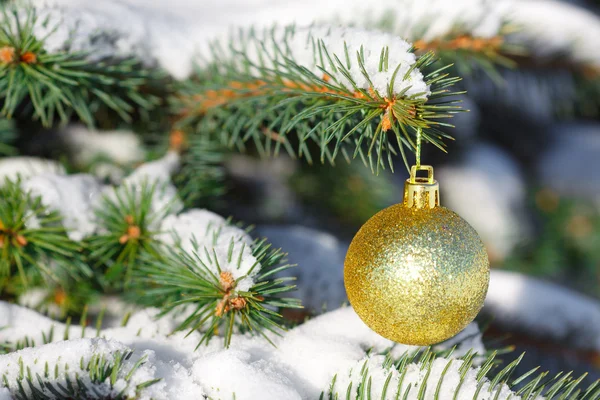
(524, 169)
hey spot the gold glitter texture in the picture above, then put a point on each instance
(416, 272)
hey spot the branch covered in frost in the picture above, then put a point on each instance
(427, 376)
(54, 85)
(104, 374)
(134, 241)
(33, 243)
(345, 90)
(215, 275)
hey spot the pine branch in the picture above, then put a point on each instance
(99, 379)
(461, 44)
(33, 241)
(201, 284)
(201, 176)
(128, 229)
(286, 88)
(427, 375)
(7, 137)
(53, 86)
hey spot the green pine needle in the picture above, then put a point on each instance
(127, 219)
(31, 236)
(288, 107)
(201, 176)
(7, 138)
(53, 86)
(103, 373)
(195, 285)
(490, 381)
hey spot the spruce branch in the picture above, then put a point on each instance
(55, 85)
(95, 379)
(461, 44)
(128, 229)
(285, 88)
(456, 376)
(32, 239)
(7, 137)
(201, 284)
(201, 175)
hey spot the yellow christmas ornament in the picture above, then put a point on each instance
(417, 273)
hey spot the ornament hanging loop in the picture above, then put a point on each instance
(418, 149)
(421, 192)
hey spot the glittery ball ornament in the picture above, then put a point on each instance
(417, 273)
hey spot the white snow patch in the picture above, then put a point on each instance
(26, 167)
(155, 175)
(87, 146)
(301, 44)
(543, 308)
(202, 227)
(220, 372)
(207, 237)
(414, 380)
(300, 367)
(72, 196)
(174, 33)
(5, 394)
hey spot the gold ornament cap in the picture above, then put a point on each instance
(421, 192)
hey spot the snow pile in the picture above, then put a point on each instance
(302, 46)
(558, 29)
(544, 309)
(200, 227)
(386, 382)
(432, 19)
(214, 243)
(87, 145)
(73, 196)
(319, 257)
(25, 167)
(77, 354)
(301, 366)
(155, 176)
(173, 34)
(76, 197)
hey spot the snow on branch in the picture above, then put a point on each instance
(331, 356)
(340, 88)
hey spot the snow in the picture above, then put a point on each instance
(415, 378)
(544, 309)
(154, 175)
(25, 167)
(158, 171)
(209, 238)
(76, 197)
(575, 145)
(558, 29)
(300, 367)
(175, 34)
(300, 47)
(87, 145)
(72, 196)
(199, 228)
